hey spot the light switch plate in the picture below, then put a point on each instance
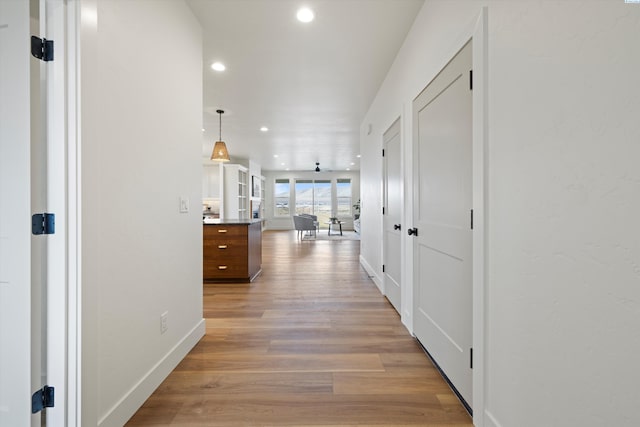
(184, 204)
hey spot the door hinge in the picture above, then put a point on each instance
(470, 79)
(472, 219)
(383, 152)
(471, 358)
(43, 398)
(383, 210)
(383, 268)
(43, 223)
(42, 48)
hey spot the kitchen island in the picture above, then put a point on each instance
(232, 250)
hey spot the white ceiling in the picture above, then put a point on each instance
(310, 84)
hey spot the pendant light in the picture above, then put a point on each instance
(317, 167)
(220, 152)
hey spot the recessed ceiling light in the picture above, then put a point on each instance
(202, 129)
(281, 164)
(287, 169)
(348, 169)
(275, 156)
(352, 163)
(358, 156)
(218, 66)
(305, 14)
(264, 129)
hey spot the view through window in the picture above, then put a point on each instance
(282, 194)
(343, 191)
(324, 198)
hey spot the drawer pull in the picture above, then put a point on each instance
(222, 267)
(222, 231)
(222, 246)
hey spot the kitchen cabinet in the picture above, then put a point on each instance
(232, 250)
(236, 196)
(211, 181)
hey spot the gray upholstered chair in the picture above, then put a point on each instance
(315, 220)
(304, 223)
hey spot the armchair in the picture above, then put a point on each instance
(315, 220)
(304, 223)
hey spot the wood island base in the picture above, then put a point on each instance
(232, 251)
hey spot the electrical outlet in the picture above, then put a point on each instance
(164, 322)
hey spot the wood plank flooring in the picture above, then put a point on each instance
(311, 342)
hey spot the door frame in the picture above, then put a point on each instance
(70, 20)
(479, 173)
(477, 30)
(63, 181)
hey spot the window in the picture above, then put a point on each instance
(322, 200)
(282, 193)
(304, 196)
(343, 192)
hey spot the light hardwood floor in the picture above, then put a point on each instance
(311, 342)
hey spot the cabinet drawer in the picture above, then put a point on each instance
(225, 269)
(221, 247)
(215, 231)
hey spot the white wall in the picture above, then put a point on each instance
(141, 84)
(286, 223)
(563, 283)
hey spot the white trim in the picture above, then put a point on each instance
(480, 209)
(56, 170)
(131, 401)
(74, 343)
(372, 274)
(490, 420)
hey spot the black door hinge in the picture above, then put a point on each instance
(472, 219)
(43, 398)
(470, 79)
(471, 358)
(42, 48)
(44, 223)
(383, 152)
(383, 268)
(383, 210)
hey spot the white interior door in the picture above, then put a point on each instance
(442, 116)
(15, 217)
(392, 218)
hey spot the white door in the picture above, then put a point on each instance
(392, 218)
(15, 217)
(442, 117)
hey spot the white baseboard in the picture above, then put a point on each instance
(372, 274)
(490, 420)
(133, 400)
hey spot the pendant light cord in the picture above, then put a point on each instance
(220, 112)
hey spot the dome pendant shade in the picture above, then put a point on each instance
(220, 152)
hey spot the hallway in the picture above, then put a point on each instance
(311, 342)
